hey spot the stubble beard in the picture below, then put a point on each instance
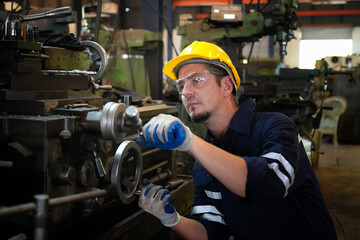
(199, 118)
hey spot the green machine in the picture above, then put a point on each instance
(232, 24)
(134, 58)
(127, 59)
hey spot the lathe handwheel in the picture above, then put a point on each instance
(98, 58)
(124, 186)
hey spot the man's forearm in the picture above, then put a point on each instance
(190, 229)
(224, 166)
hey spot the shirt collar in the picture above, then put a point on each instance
(242, 119)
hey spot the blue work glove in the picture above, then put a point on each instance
(156, 200)
(166, 132)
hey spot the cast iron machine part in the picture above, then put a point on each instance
(114, 122)
(113, 178)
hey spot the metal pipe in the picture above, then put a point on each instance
(53, 202)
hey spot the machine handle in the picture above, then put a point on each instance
(55, 13)
(99, 166)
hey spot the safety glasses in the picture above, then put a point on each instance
(195, 80)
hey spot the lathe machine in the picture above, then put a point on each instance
(69, 166)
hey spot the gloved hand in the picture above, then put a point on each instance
(166, 132)
(156, 200)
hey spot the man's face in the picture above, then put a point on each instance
(200, 92)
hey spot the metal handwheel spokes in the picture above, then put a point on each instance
(126, 171)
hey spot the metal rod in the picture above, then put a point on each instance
(160, 177)
(77, 197)
(53, 202)
(17, 209)
(151, 151)
(155, 166)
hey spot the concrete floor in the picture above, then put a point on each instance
(341, 188)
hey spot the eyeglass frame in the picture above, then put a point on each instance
(207, 72)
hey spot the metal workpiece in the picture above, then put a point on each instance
(114, 121)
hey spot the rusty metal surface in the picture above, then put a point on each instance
(65, 59)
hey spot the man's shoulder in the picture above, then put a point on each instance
(271, 117)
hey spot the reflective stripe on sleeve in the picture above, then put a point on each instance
(213, 218)
(274, 166)
(284, 162)
(206, 209)
(213, 195)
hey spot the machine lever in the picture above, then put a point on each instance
(55, 13)
(132, 118)
(99, 165)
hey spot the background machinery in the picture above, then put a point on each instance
(273, 86)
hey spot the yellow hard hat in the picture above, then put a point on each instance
(202, 52)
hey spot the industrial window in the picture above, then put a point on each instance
(312, 50)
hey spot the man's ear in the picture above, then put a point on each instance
(228, 85)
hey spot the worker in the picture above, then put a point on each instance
(252, 177)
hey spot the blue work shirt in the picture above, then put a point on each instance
(283, 198)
